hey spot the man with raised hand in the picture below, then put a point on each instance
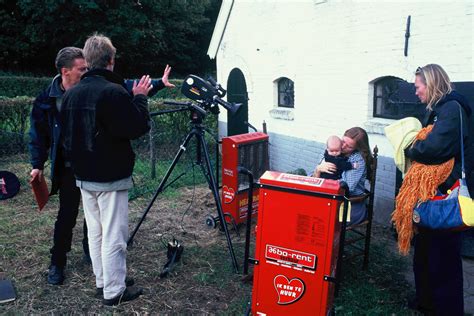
(100, 118)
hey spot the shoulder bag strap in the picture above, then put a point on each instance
(463, 173)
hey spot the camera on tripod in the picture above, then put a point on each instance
(207, 93)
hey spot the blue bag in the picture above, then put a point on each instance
(454, 211)
(439, 214)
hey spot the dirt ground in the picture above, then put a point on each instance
(202, 283)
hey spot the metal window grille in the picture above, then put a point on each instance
(254, 157)
(286, 93)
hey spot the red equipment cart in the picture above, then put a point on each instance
(251, 152)
(297, 245)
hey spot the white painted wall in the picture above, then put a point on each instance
(333, 51)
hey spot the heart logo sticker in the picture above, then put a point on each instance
(289, 291)
(228, 193)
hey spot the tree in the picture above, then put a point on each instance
(148, 34)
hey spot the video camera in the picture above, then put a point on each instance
(208, 93)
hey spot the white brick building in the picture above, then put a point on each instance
(333, 52)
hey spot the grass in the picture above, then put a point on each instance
(382, 289)
(202, 283)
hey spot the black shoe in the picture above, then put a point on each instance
(414, 305)
(175, 250)
(128, 295)
(56, 275)
(99, 292)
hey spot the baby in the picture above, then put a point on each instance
(333, 155)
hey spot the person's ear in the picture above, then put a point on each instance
(111, 64)
(64, 71)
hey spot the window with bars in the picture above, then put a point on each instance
(395, 98)
(286, 93)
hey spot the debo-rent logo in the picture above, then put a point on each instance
(290, 256)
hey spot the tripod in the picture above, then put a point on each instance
(197, 131)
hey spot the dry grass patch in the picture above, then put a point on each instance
(203, 283)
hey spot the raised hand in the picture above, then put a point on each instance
(143, 86)
(166, 74)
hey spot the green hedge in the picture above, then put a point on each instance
(173, 93)
(13, 86)
(14, 123)
(167, 129)
(14, 113)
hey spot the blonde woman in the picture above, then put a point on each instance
(437, 261)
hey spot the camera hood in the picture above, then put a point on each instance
(207, 92)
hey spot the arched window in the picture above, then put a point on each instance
(395, 98)
(286, 93)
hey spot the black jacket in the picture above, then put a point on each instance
(45, 131)
(341, 165)
(100, 118)
(443, 142)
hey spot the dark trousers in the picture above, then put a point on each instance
(437, 266)
(69, 197)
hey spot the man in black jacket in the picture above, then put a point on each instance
(100, 118)
(45, 135)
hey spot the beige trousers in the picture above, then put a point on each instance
(107, 222)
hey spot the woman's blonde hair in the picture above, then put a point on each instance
(437, 83)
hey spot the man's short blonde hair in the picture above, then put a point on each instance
(98, 51)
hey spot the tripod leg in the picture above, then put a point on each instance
(181, 150)
(215, 192)
(205, 173)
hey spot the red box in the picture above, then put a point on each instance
(297, 245)
(251, 152)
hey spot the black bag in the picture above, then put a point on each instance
(9, 185)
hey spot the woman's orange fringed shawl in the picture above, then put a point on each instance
(419, 184)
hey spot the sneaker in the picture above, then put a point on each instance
(99, 292)
(55, 275)
(128, 295)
